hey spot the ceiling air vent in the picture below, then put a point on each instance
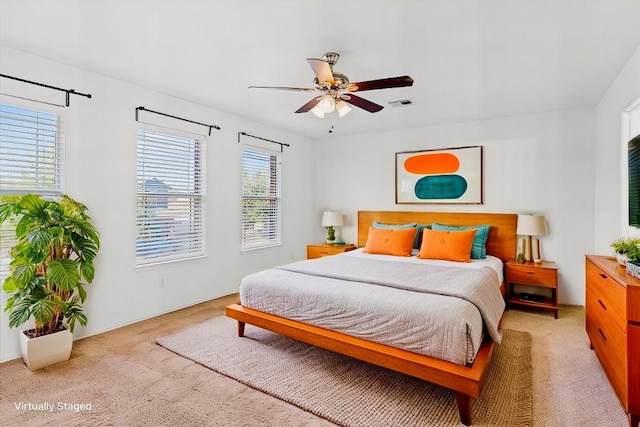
(401, 103)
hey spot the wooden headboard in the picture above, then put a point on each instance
(502, 241)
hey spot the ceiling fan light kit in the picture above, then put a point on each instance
(327, 104)
(336, 89)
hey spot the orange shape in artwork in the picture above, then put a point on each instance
(432, 164)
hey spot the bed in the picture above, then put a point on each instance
(465, 376)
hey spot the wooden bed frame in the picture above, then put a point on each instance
(466, 381)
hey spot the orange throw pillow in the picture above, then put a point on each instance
(390, 241)
(447, 244)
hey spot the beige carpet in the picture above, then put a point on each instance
(353, 393)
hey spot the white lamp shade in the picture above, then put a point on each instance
(332, 219)
(317, 112)
(327, 104)
(531, 225)
(343, 108)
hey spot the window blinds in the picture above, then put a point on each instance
(31, 161)
(32, 151)
(260, 199)
(170, 201)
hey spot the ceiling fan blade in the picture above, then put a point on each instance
(297, 89)
(309, 105)
(371, 107)
(389, 82)
(322, 70)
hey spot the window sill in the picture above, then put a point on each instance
(257, 248)
(159, 264)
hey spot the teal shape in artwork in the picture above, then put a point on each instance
(440, 187)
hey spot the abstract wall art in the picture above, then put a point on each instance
(450, 175)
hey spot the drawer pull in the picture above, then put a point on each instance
(530, 272)
(324, 252)
(604, 276)
(602, 304)
(602, 333)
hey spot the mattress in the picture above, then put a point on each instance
(424, 306)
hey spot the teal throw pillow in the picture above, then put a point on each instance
(417, 242)
(479, 247)
(377, 224)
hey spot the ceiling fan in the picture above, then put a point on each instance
(336, 89)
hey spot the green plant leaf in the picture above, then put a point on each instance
(19, 314)
(9, 284)
(85, 248)
(42, 310)
(22, 271)
(16, 297)
(63, 273)
(82, 292)
(87, 270)
(73, 312)
(82, 319)
(7, 208)
(39, 238)
(33, 202)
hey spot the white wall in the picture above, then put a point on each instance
(540, 164)
(610, 197)
(101, 173)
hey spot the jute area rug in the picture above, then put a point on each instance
(348, 392)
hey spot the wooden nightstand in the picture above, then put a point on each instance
(325, 249)
(544, 275)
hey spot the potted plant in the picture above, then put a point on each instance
(626, 248)
(55, 247)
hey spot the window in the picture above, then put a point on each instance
(260, 199)
(631, 133)
(170, 201)
(31, 161)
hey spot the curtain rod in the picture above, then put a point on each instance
(178, 118)
(67, 91)
(281, 144)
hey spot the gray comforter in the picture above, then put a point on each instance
(432, 310)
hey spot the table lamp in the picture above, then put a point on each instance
(531, 225)
(331, 219)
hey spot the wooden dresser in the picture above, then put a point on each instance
(613, 326)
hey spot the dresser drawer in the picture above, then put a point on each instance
(318, 251)
(609, 343)
(607, 295)
(633, 341)
(533, 276)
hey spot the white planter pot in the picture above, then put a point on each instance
(46, 350)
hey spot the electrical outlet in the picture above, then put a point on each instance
(161, 284)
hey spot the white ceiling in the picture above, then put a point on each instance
(470, 59)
